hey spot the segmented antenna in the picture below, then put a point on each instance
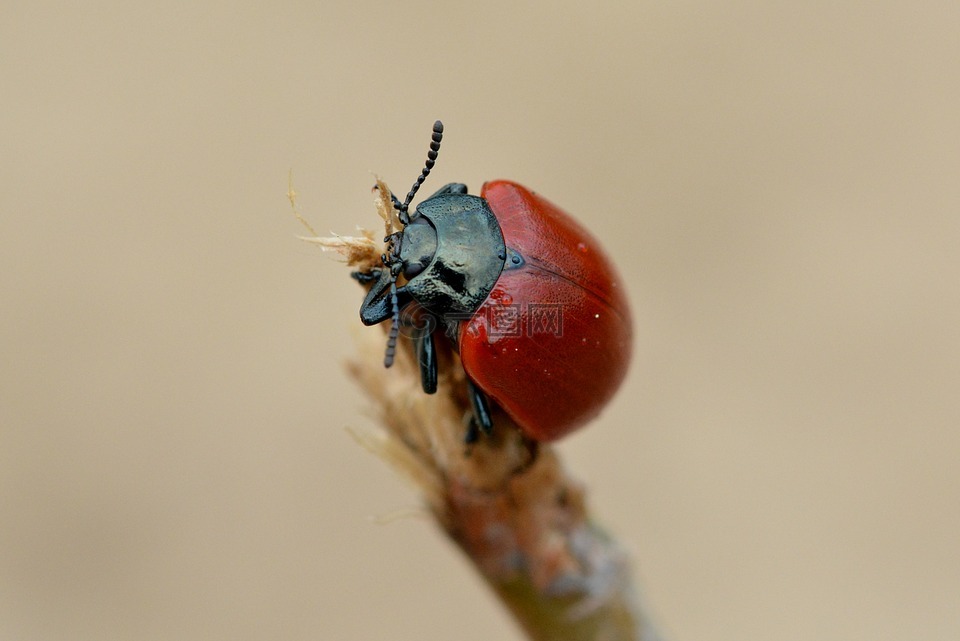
(393, 261)
(431, 160)
(394, 327)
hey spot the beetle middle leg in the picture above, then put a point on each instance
(426, 352)
(367, 277)
(481, 421)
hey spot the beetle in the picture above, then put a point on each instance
(524, 293)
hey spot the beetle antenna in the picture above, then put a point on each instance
(394, 327)
(431, 160)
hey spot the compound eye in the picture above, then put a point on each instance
(412, 269)
(418, 247)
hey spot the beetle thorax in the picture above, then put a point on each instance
(452, 253)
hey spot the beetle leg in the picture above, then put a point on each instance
(396, 201)
(450, 188)
(481, 420)
(366, 277)
(377, 304)
(427, 357)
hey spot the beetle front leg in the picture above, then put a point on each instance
(377, 306)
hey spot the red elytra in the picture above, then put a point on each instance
(552, 341)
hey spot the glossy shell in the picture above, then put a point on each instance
(552, 341)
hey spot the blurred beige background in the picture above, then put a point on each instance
(778, 182)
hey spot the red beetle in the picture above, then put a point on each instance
(525, 293)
